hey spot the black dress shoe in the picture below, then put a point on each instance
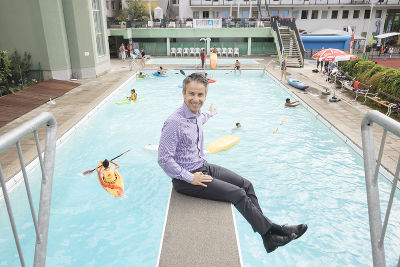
(272, 242)
(298, 230)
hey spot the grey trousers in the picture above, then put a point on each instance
(230, 187)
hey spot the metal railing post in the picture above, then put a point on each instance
(371, 167)
(47, 167)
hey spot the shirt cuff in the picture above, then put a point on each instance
(187, 176)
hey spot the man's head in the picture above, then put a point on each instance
(106, 163)
(194, 91)
(133, 91)
(287, 100)
(237, 60)
(160, 68)
(205, 74)
(238, 125)
(140, 73)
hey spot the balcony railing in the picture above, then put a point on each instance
(228, 3)
(226, 23)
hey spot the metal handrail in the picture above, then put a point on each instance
(371, 167)
(47, 166)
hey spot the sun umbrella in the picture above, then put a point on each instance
(344, 57)
(328, 52)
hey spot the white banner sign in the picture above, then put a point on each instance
(207, 23)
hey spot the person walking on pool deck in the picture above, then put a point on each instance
(283, 67)
(203, 58)
(181, 156)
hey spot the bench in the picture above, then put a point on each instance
(390, 106)
(364, 89)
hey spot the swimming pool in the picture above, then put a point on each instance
(196, 60)
(302, 174)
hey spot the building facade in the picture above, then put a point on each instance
(365, 17)
(66, 38)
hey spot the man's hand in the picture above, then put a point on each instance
(200, 178)
(212, 110)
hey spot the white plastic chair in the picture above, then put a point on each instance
(197, 51)
(224, 51)
(150, 24)
(185, 51)
(189, 24)
(192, 51)
(230, 51)
(219, 51)
(179, 51)
(236, 51)
(173, 51)
(171, 24)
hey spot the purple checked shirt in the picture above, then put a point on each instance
(181, 143)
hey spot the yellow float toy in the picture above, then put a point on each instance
(110, 180)
(222, 143)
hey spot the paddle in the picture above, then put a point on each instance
(182, 72)
(282, 122)
(90, 171)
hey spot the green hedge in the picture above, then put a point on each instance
(380, 77)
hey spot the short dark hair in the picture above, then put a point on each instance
(106, 163)
(133, 90)
(287, 100)
(195, 77)
(237, 124)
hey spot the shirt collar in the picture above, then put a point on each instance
(187, 113)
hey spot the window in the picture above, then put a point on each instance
(345, 14)
(295, 14)
(206, 14)
(304, 14)
(378, 14)
(275, 13)
(314, 14)
(254, 13)
(175, 2)
(324, 14)
(356, 14)
(334, 14)
(98, 27)
(367, 14)
(107, 5)
(196, 14)
(113, 5)
(285, 13)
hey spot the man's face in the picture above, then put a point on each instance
(195, 96)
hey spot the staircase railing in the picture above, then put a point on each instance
(47, 167)
(291, 24)
(275, 27)
(371, 167)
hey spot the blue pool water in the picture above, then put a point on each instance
(301, 174)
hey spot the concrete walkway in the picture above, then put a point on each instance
(182, 245)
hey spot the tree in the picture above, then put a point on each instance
(5, 73)
(136, 9)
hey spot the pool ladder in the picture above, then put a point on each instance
(371, 167)
(47, 167)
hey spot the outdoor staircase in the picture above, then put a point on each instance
(291, 47)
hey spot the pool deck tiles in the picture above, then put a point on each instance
(216, 245)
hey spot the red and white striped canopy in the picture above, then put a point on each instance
(332, 54)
